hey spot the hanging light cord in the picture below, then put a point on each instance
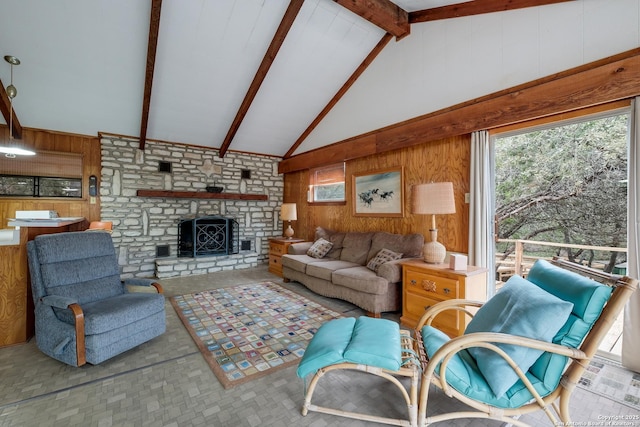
(11, 96)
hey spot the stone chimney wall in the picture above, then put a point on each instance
(142, 224)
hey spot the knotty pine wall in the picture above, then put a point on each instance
(438, 161)
(89, 147)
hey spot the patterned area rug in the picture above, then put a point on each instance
(248, 331)
(608, 378)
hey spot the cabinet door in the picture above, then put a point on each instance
(275, 264)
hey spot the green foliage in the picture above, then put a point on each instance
(565, 184)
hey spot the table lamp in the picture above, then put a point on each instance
(288, 213)
(433, 199)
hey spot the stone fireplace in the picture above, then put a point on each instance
(207, 236)
(146, 228)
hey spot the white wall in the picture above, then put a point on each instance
(443, 63)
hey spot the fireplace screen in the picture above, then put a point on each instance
(209, 235)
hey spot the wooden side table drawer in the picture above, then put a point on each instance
(277, 248)
(424, 285)
(448, 321)
(429, 284)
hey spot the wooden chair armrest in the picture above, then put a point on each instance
(158, 287)
(79, 323)
(452, 304)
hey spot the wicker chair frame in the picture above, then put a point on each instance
(579, 357)
(410, 368)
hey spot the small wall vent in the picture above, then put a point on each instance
(245, 174)
(162, 251)
(245, 245)
(164, 167)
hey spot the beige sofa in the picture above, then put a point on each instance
(343, 273)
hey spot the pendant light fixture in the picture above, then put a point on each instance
(11, 149)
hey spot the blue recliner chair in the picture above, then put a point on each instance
(83, 311)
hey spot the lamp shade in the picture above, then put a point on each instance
(433, 198)
(288, 212)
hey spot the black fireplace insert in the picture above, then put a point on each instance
(208, 235)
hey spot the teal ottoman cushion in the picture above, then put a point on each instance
(375, 342)
(366, 341)
(327, 346)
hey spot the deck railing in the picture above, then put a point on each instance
(519, 263)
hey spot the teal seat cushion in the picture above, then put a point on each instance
(366, 341)
(589, 298)
(464, 376)
(520, 308)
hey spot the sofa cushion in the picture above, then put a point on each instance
(410, 245)
(335, 237)
(300, 262)
(385, 255)
(324, 270)
(355, 247)
(360, 279)
(320, 248)
(391, 270)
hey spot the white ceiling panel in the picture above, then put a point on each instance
(473, 56)
(325, 45)
(82, 64)
(414, 5)
(206, 59)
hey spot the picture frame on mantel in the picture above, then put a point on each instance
(378, 193)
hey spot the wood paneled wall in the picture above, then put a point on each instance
(89, 147)
(438, 161)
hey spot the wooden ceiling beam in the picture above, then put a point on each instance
(476, 7)
(345, 87)
(5, 107)
(610, 79)
(270, 56)
(154, 29)
(382, 13)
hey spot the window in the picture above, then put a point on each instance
(40, 186)
(326, 184)
(47, 174)
(561, 190)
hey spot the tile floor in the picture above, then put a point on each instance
(166, 382)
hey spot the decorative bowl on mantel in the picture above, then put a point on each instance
(214, 189)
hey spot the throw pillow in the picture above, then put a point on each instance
(520, 308)
(384, 255)
(319, 248)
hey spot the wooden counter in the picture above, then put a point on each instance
(17, 323)
(13, 292)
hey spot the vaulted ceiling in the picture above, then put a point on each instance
(246, 75)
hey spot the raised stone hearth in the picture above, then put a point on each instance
(174, 267)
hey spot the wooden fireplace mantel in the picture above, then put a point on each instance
(199, 195)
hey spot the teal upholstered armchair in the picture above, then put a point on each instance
(83, 311)
(526, 347)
